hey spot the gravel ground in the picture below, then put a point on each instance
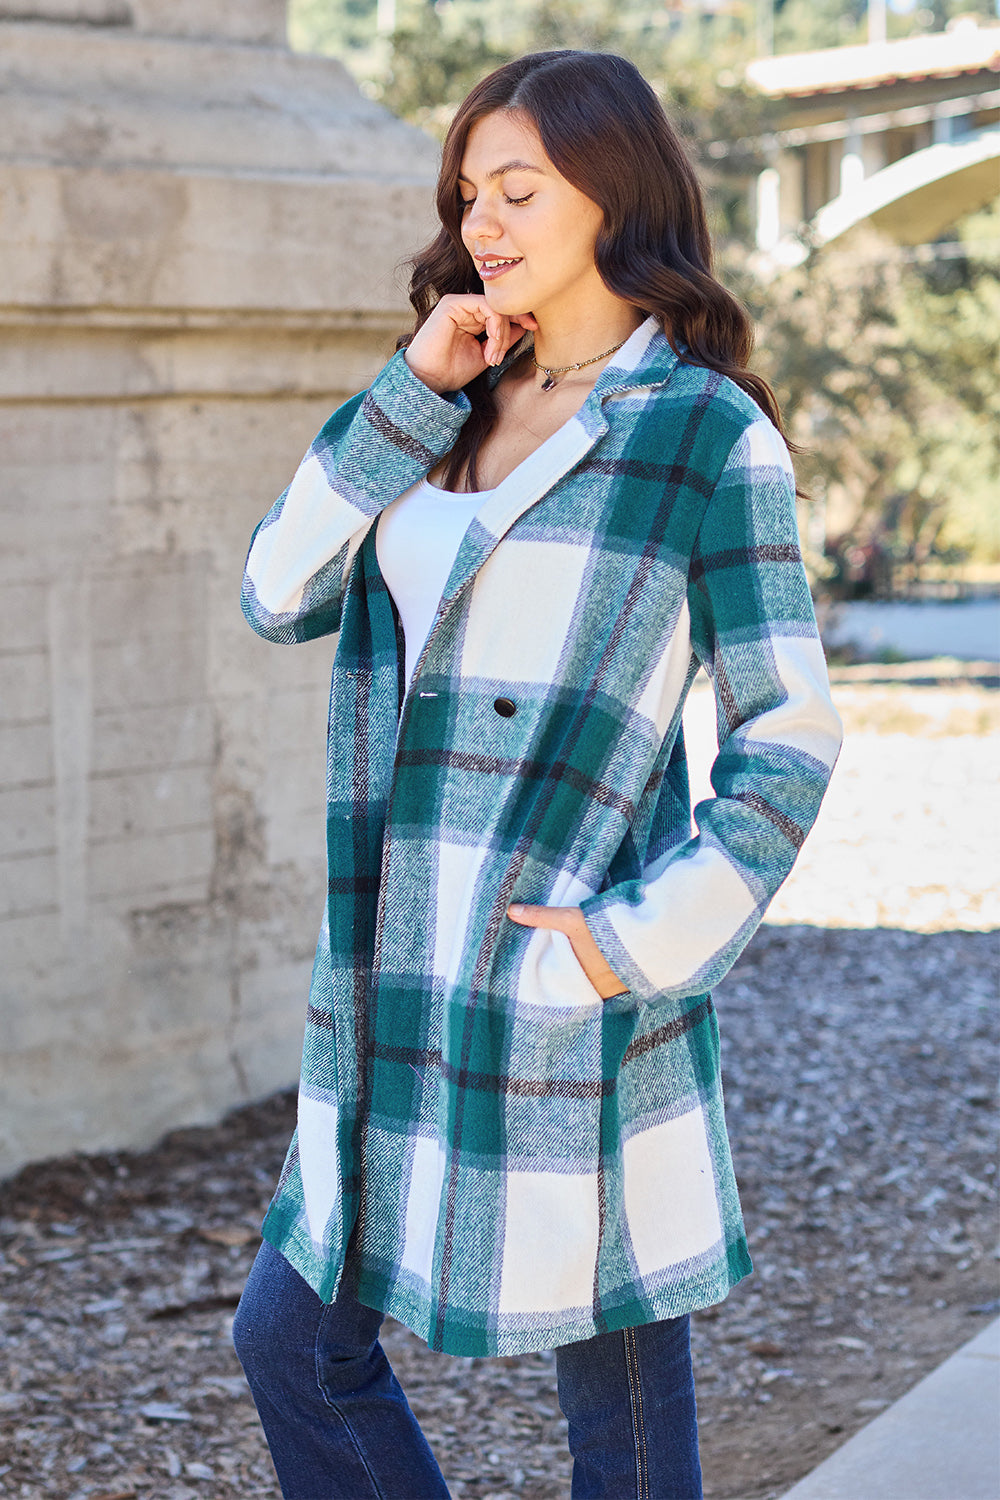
(860, 1061)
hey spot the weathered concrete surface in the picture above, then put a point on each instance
(200, 241)
(240, 20)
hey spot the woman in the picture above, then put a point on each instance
(557, 500)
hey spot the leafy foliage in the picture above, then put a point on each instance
(886, 371)
(432, 66)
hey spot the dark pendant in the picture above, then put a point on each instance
(548, 384)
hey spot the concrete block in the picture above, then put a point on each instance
(261, 21)
(153, 869)
(25, 695)
(24, 621)
(57, 480)
(200, 241)
(296, 834)
(71, 96)
(28, 885)
(305, 670)
(27, 820)
(273, 990)
(135, 739)
(82, 12)
(144, 1090)
(31, 945)
(25, 754)
(130, 804)
(267, 354)
(145, 672)
(149, 598)
(90, 236)
(299, 713)
(24, 698)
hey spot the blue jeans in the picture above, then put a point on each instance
(339, 1426)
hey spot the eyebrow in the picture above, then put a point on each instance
(508, 166)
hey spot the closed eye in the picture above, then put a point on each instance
(464, 203)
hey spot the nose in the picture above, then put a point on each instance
(479, 225)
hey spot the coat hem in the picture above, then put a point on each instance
(471, 1339)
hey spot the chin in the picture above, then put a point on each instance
(504, 303)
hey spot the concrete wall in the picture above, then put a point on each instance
(199, 242)
(239, 20)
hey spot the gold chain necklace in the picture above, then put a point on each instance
(550, 372)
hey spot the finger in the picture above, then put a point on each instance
(476, 320)
(467, 313)
(515, 330)
(457, 321)
(498, 339)
(556, 917)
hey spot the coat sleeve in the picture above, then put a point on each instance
(676, 932)
(371, 450)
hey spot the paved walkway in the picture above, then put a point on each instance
(941, 1441)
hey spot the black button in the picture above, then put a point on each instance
(505, 707)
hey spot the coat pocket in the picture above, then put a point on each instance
(561, 1077)
(563, 1054)
(552, 977)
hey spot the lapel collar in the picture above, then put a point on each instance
(646, 359)
(517, 493)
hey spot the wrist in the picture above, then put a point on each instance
(425, 378)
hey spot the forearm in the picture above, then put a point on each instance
(368, 453)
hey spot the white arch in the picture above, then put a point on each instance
(916, 198)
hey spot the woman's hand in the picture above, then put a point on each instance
(571, 921)
(447, 352)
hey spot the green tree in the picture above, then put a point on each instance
(886, 371)
(801, 25)
(337, 27)
(432, 66)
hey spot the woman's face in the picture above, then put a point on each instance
(530, 232)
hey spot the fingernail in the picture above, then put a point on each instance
(515, 909)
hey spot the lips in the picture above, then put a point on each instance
(492, 266)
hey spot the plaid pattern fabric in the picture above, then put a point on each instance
(520, 1164)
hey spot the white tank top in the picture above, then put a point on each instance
(416, 543)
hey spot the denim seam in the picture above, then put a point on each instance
(638, 1420)
(336, 1409)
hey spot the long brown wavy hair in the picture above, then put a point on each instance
(605, 131)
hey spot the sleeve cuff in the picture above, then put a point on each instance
(434, 421)
(596, 913)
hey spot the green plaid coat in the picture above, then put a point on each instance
(520, 1164)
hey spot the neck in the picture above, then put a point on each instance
(562, 344)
